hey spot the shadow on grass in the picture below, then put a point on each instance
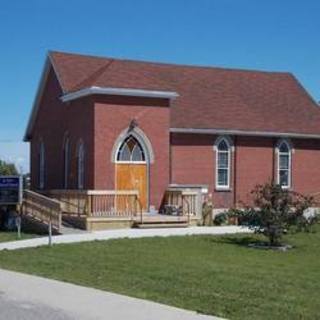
(243, 241)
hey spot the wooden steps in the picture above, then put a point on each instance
(160, 221)
(160, 225)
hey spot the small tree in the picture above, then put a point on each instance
(275, 211)
(7, 169)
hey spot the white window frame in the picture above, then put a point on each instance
(220, 140)
(42, 165)
(289, 153)
(130, 162)
(80, 160)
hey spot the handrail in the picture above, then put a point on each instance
(188, 200)
(112, 192)
(42, 208)
(95, 192)
(41, 196)
(98, 203)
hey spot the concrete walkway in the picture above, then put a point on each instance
(34, 298)
(122, 233)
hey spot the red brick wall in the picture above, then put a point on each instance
(193, 162)
(98, 121)
(54, 119)
(306, 166)
(112, 116)
(253, 162)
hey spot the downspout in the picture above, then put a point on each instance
(170, 158)
(274, 177)
(235, 172)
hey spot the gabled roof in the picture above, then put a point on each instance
(209, 98)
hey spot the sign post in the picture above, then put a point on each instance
(11, 195)
(10, 190)
(18, 225)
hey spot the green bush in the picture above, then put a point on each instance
(221, 218)
(7, 169)
(275, 211)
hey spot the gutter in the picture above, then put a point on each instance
(119, 92)
(246, 133)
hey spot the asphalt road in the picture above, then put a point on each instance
(15, 309)
(26, 297)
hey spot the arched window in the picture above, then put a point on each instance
(66, 162)
(284, 164)
(80, 165)
(223, 164)
(130, 151)
(41, 165)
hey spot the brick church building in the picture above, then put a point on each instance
(109, 124)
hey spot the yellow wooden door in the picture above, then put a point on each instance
(133, 177)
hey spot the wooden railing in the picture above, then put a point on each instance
(98, 203)
(42, 208)
(72, 201)
(113, 203)
(187, 201)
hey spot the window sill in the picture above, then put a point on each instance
(222, 189)
(287, 188)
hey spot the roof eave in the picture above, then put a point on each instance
(43, 78)
(119, 92)
(36, 102)
(246, 133)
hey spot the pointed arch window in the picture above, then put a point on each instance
(80, 165)
(284, 164)
(223, 155)
(131, 151)
(41, 165)
(66, 160)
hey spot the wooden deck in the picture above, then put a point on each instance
(110, 209)
(147, 221)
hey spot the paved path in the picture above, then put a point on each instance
(33, 298)
(122, 233)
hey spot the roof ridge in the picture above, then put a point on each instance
(174, 64)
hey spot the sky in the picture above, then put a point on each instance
(268, 35)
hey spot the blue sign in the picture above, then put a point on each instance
(10, 190)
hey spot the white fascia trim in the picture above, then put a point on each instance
(43, 79)
(118, 92)
(56, 73)
(245, 133)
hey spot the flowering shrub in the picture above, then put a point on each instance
(275, 211)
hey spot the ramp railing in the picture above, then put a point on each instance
(42, 208)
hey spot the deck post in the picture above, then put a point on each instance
(89, 205)
(50, 231)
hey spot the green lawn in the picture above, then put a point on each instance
(12, 236)
(213, 275)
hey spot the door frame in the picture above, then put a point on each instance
(145, 143)
(147, 178)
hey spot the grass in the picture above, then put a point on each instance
(213, 275)
(13, 236)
